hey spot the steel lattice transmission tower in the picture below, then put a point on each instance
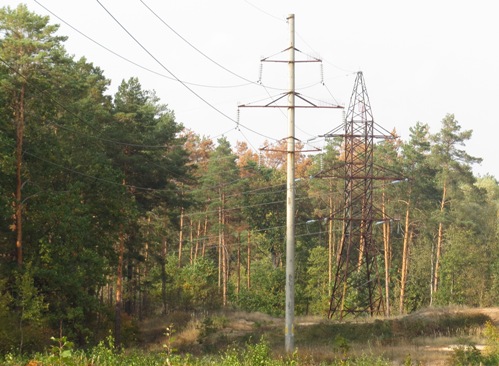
(356, 285)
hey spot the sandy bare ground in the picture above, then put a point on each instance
(194, 333)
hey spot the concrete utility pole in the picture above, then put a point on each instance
(290, 185)
(290, 197)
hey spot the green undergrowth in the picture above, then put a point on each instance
(257, 354)
(393, 331)
(218, 340)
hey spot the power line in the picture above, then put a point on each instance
(107, 140)
(237, 208)
(133, 62)
(243, 244)
(87, 175)
(190, 83)
(155, 190)
(195, 48)
(61, 105)
(176, 78)
(263, 11)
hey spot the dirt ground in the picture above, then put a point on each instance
(212, 333)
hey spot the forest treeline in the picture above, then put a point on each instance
(111, 211)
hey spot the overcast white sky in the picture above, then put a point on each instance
(421, 60)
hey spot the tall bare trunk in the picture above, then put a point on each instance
(388, 254)
(238, 285)
(181, 237)
(19, 183)
(439, 241)
(119, 291)
(191, 236)
(205, 231)
(225, 257)
(164, 253)
(331, 239)
(144, 295)
(198, 237)
(248, 263)
(362, 244)
(405, 259)
(219, 247)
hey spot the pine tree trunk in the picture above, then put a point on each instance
(362, 244)
(198, 238)
(119, 291)
(248, 263)
(164, 253)
(180, 237)
(191, 236)
(331, 240)
(205, 231)
(219, 247)
(144, 303)
(388, 255)
(238, 285)
(225, 259)
(405, 254)
(439, 241)
(19, 156)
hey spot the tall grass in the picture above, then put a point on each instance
(218, 342)
(257, 354)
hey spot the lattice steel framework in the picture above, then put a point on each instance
(357, 286)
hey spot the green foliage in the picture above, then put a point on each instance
(341, 345)
(317, 281)
(193, 286)
(28, 302)
(408, 361)
(7, 322)
(168, 345)
(62, 349)
(466, 355)
(463, 252)
(254, 354)
(267, 289)
(491, 333)
(96, 169)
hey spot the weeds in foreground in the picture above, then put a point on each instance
(252, 353)
(257, 354)
(469, 355)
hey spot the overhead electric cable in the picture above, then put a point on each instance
(133, 62)
(176, 78)
(223, 133)
(243, 207)
(337, 67)
(263, 11)
(91, 176)
(55, 101)
(246, 139)
(194, 47)
(153, 190)
(243, 244)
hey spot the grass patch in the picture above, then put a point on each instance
(240, 339)
(395, 330)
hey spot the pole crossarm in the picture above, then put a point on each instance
(290, 151)
(292, 49)
(308, 104)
